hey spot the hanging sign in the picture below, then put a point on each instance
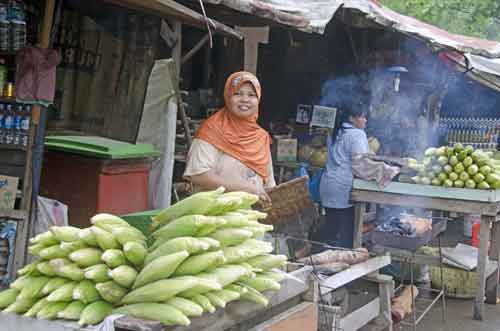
(323, 117)
(8, 190)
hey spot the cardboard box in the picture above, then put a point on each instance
(8, 190)
(286, 150)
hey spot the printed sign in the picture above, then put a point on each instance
(286, 150)
(304, 113)
(323, 117)
(8, 190)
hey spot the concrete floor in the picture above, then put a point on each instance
(458, 312)
(459, 318)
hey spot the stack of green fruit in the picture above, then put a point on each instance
(79, 274)
(458, 166)
(205, 253)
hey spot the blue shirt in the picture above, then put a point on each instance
(336, 182)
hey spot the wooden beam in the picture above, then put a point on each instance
(393, 199)
(15, 214)
(195, 49)
(253, 36)
(492, 288)
(354, 272)
(482, 262)
(172, 9)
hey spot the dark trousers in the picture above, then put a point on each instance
(338, 228)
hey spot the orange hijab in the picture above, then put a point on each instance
(241, 138)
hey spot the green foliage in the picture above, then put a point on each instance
(477, 18)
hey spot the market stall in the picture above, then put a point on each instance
(202, 258)
(467, 201)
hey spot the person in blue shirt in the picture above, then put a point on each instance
(347, 141)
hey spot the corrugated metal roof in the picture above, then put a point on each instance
(314, 15)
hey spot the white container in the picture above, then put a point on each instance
(469, 221)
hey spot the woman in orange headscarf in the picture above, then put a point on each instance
(230, 149)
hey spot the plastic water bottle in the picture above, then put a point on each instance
(2, 119)
(25, 125)
(18, 116)
(9, 125)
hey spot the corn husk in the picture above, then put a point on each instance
(135, 253)
(162, 312)
(65, 233)
(86, 292)
(123, 275)
(86, 257)
(161, 268)
(95, 313)
(113, 258)
(111, 292)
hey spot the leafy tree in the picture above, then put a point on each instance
(477, 18)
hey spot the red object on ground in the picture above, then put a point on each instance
(90, 185)
(475, 234)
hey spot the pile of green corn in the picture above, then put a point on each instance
(205, 253)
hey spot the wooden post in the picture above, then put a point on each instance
(23, 227)
(492, 290)
(385, 289)
(359, 218)
(177, 50)
(253, 36)
(482, 262)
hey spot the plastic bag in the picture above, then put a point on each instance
(49, 213)
(314, 183)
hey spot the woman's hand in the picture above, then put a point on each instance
(260, 192)
(264, 196)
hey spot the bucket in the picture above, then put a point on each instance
(469, 221)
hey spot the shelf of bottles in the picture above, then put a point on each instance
(481, 133)
(14, 124)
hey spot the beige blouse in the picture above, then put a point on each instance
(203, 156)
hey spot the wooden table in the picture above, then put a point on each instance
(467, 201)
(238, 315)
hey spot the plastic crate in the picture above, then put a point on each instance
(142, 221)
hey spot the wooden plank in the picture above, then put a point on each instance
(173, 9)
(359, 318)
(359, 219)
(16, 214)
(354, 272)
(492, 288)
(482, 261)
(430, 191)
(133, 324)
(459, 206)
(13, 322)
(385, 290)
(299, 318)
(195, 49)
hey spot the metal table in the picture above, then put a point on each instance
(467, 201)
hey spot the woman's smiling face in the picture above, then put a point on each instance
(245, 102)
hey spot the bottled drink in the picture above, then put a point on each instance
(25, 125)
(9, 125)
(2, 120)
(18, 116)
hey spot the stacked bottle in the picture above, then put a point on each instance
(479, 132)
(14, 124)
(12, 25)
